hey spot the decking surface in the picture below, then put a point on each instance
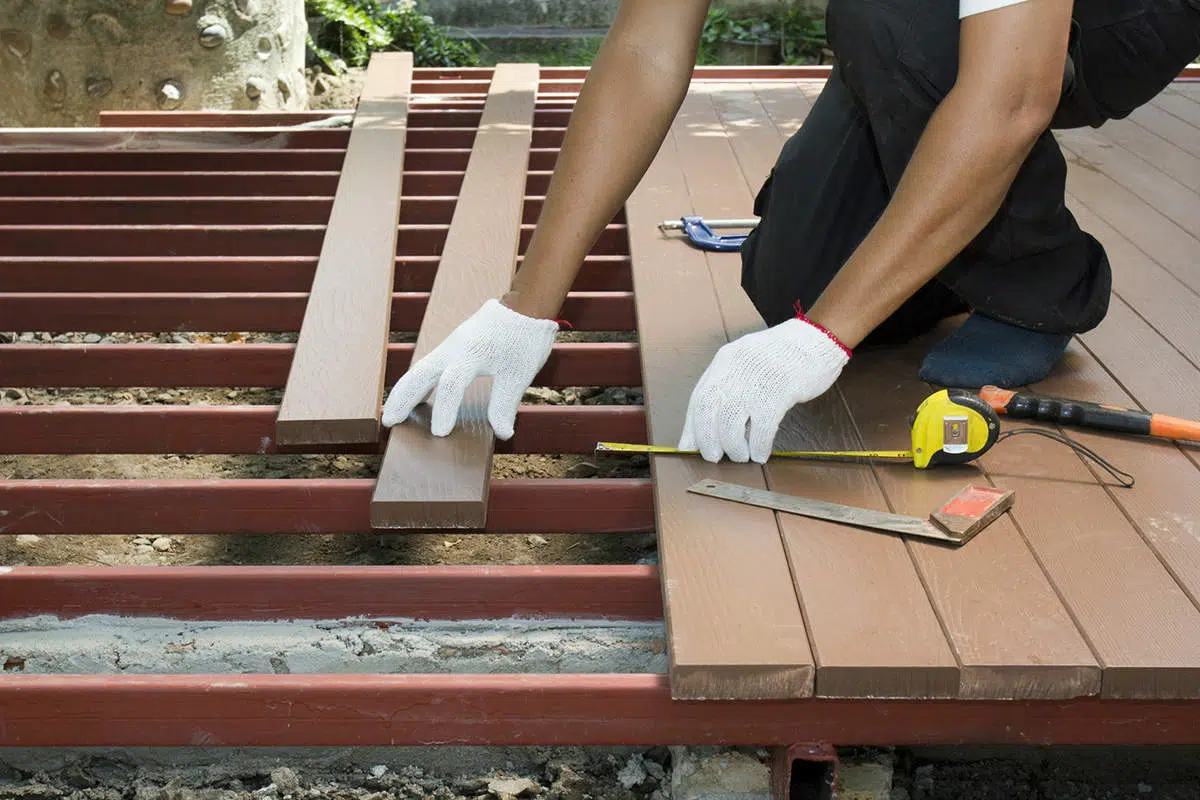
(1084, 589)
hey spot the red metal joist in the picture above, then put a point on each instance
(395, 710)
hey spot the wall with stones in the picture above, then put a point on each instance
(63, 61)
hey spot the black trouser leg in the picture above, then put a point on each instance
(825, 192)
(1031, 266)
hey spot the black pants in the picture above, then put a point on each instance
(1031, 266)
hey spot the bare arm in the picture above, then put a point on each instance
(1009, 81)
(631, 95)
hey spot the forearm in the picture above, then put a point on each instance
(626, 106)
(955, 182)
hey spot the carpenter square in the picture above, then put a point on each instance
(956, 522)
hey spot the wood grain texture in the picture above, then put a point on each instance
(1157, 296)
(734, 624)
(1164, 154)
(442, 482)
(1010, 632)
(336, 377)
(873, 630)
(1168, 126)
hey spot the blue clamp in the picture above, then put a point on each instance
(702, 236)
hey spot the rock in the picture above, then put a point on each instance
(27, 540)
(233, 394)
(107, 28)
(542, 394)
(654, 770)
(162, 544)
(141, 540)
(28, 337)
(584, 469)
(7, 338)
(213, 36)
(707, 772)
(285, 780)
(15, 394)
(633, 773)
(469, 787)
(169, 95)
(513, 787)
(164, 397)
(143, 548)
(55, 88)
(379, 770)
(92, 338)
(537, 541)
(16, 42)
(99, 87)
(177, 7)
(867, 780)
(256, 88)
(569, 785)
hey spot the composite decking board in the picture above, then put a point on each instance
(734, 625)
(1166, 195)
(442, 482)
(883, 638)
(1162, 153)
(1154, 234)
(336, 377)
(1157, 296)
(787, 110)
(1011, 633)
(1179, 105)
(1143, 627)
(1168, 126)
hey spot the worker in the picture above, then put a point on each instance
(924, 183)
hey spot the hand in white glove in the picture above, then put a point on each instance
(495, 341)
(754, 382)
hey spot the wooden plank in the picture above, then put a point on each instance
(336, 377)
(1154, 234)
(1156, 295)
(1163, 154)
(1143, 627)
(1166, 195)
(1009, 630)
(1168, 126)
(735, 626)
(1180, 106)
(873, 630)
(435, 482)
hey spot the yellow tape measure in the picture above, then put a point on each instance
(950, 427)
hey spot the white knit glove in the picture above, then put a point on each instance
(495, 341)
(754, 382)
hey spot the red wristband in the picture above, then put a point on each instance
(822, 329)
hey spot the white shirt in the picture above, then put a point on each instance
(968, 7)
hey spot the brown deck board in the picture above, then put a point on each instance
(1168, 126)
(1165, 155)
(734, 625)
(1166, 195)
(1156, 295)
(1180, 105)
(336, 378)
(442, 482)
(1009, 629)
(873, 630)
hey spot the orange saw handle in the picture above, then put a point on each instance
(1083, 414)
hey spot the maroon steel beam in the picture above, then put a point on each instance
(230, 240)
(588, 311)
(295, 160)
(13, 139)
(241, 274)
(62, 430)
(583, 364)
(301, 506)
(396, 710)
(324, 592)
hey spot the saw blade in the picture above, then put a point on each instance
(819, 509)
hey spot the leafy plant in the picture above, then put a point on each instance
(802, 36)
(353, 29)
(799, 31)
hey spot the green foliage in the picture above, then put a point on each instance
(353, 29)
(800, 33)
